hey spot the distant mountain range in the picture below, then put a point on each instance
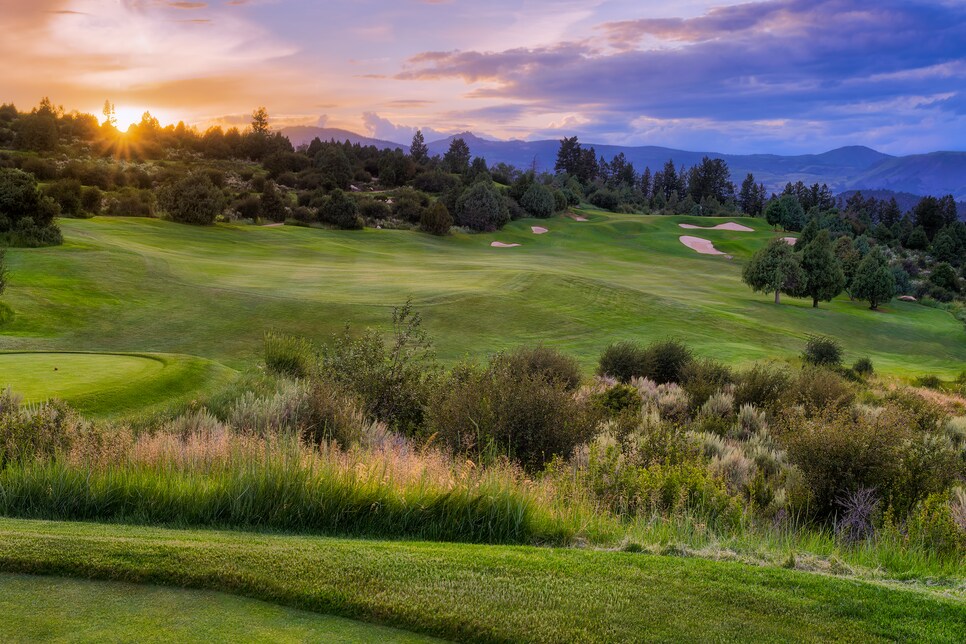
(848, 168)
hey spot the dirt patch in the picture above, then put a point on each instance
(502, 245)
(727, 226)
(539, 230)
(702, 246)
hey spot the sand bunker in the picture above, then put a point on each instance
(699, 245)
(578, 218)
(906, 298)
(791, 241)
(539, 230)
(502, 245)
(728, 226)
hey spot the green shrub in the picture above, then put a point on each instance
(544, 362)
(934, 526)
(623, 361)
(499, 411)
(618, 399)
(762, 385)
(338, 210)
(333, 415)
(863, 367)
(822, 351)
(289, 355)
(392, 380)
(703, 378)
(482, 208)
(929, 381)
(193, 199)
(538, 200)
(666, 361)
(818, 389)
(436, 219)
(374, 210)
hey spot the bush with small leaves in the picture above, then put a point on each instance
(822, 351)
(863, 367)
(623, 361)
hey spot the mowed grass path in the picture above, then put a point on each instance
(138, 285)
(44, 609)
(494, 593)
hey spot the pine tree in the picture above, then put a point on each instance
(260, 121)
(849, 259)
(874, 281)
(823, 273)
(775, 268)
(418, 150)
(457, 157)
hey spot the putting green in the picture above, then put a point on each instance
(55, 609)
(107, 383)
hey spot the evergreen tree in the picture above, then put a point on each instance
(749, 198)
(457, 157)
(809, 233)
(824, 276)
(569, 157)
(918, 239)
(775, 268)
(418, 151)
(260, 121)
(874, 281)
(849, 259)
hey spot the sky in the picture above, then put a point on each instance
(778, 76)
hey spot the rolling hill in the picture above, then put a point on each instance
(846, 168)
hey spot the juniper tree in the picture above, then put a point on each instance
(874, 281)
(775, 268)
(823, 273)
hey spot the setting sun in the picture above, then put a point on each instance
(127, 116)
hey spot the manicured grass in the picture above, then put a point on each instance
(489, 593)
(48, 609)
(110, 384)
(139, 285)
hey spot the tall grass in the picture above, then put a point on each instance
(220, 479)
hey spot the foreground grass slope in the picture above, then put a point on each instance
(486, 593)
(47, 609)
(153, 286)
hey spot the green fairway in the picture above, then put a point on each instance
(493, 593)
(69, 610)
(141, 285)
(109, 384)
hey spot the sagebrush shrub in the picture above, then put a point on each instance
(28, 432)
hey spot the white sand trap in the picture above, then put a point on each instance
(578, 218)
(728, 226)
(906, 298)
(699, 245)
(502, 245)
(791, 241)
(539, 230)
